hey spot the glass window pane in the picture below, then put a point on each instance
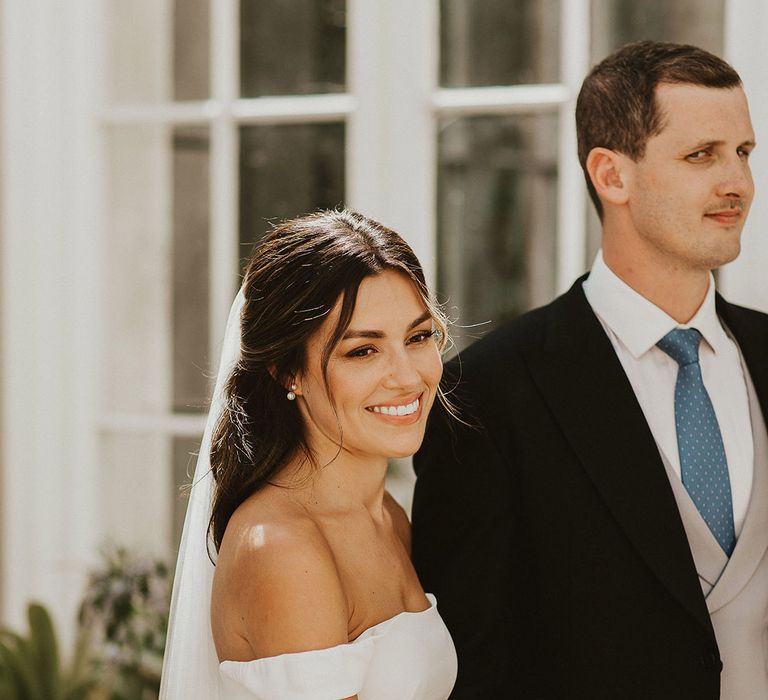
(190, 269)
(135, 492)
(498, 42)
(616, 22)
(191, 49)
(285, 171)
(156, 318)
(497, 199)
(292, 47)
(157, 53)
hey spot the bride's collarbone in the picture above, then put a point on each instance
(369, 606)
(378, 585)
(374, 568)
(369, 556)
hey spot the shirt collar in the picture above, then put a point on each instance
(638, 323)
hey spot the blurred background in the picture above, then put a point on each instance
(147, 144)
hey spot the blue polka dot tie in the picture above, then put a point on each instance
(703, 464)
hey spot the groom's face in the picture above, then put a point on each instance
(690, 193)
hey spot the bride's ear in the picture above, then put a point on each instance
(291, 382)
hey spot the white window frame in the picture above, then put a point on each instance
(399, 102)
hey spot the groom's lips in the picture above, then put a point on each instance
(725, 216)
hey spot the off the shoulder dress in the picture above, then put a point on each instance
(408, 657)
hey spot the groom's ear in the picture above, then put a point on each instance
(608, 171)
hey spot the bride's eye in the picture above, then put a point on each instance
(421, 336)
(361, 352)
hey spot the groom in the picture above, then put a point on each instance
(600, 530)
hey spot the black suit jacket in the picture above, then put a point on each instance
(549, 532)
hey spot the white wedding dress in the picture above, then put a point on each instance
(408, 657)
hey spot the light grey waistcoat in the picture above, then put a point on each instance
(736, 591)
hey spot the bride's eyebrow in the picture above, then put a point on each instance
(352, 333)
(424, 317)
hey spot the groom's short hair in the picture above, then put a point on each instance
(616, 107)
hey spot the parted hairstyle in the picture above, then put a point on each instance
(616, 107)
(295, 277)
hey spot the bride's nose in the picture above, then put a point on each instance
(402, 371)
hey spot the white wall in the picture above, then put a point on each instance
(49, 215)
(745, 281)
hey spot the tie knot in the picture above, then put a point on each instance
(682, 345)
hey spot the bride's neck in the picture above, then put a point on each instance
(334, 484)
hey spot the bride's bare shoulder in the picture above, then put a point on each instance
(263, 522)
(276, 582)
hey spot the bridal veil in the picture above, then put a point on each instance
(190, 666)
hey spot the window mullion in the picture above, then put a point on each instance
(391, 137)
(571, 211)
(172, 113)
(223, 173)
(176, 424)
(366, 149)
(411, 124)
(512, 99)
(293, 109)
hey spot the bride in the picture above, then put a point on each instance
(330, 366)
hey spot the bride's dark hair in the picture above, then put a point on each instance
(293, 280)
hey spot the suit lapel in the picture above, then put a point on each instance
(582, 381)
(751, 332)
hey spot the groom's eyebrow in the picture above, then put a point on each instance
(352, 333)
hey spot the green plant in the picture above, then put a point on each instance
(125, 617)
(30, 666)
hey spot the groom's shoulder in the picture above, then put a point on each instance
(524, 333)
(742, 319)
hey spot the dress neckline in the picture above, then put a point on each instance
(369, 630)
(366, 634)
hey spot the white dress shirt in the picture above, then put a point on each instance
(634, 325)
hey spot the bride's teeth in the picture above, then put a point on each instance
(397, 410)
